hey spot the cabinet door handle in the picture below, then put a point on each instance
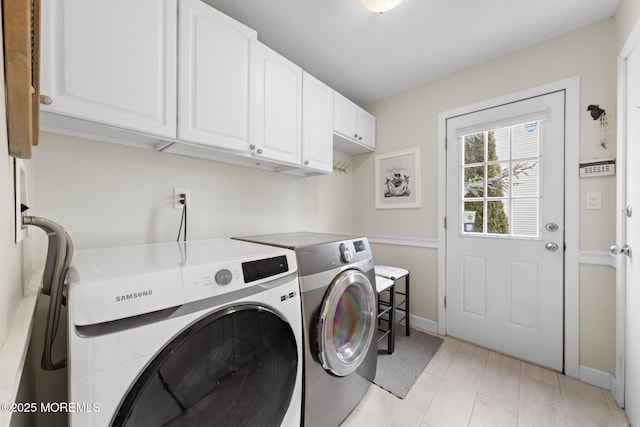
(46, 100)
(306, 162)
(259, 150)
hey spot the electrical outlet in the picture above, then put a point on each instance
(177, 192)
(21, 197)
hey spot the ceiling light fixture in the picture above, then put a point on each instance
(380, 6)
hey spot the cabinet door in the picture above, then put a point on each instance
(111, 62)
(345, 116)
(279, 98)
(366, 128)
(216, 86)
(317, 125)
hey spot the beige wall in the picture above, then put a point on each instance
(409, 119)
(112, 195)
(626, 18)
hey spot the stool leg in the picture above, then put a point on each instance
(406, 306)
(391, 339)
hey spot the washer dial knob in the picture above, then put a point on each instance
(224, 277)
(345, 253)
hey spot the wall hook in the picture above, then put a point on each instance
(341, 167)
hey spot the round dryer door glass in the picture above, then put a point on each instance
(235, 367)
(347, 323)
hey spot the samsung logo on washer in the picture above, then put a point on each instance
(135, 295)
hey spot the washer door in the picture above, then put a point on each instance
(235, 367)
(347, 322)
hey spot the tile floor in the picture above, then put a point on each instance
(465, 385)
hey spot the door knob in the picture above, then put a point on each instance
(552, 226)
(551, 246)
(626, 250)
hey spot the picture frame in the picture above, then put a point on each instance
(397, 180)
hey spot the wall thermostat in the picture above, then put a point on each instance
(597, 167)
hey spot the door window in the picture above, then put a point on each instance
(235, 367)
(500, 178)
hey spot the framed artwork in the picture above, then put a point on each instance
(397, 178)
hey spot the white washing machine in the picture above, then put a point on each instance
(185, 334)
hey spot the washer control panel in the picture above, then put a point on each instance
(223, 277)
(209, 280)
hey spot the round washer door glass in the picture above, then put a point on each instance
(236, 367)
(347, 322)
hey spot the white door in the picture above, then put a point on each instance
(629, 237)
(505, 228)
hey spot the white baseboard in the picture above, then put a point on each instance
(423, 324)
(597, 377)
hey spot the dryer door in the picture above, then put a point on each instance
(347, 322)
(235, 367)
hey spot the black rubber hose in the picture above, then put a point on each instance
(59, 255)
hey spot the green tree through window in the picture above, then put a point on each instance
(474, 150)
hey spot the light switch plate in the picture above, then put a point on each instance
(594, 201)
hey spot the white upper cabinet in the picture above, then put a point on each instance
(216, 85)
(366, 128)
(279, 118)
(317, 125)
(354, 127)
(110, 62)
(179, 76)
(345, 116)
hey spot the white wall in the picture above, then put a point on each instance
(409, 119)
(10, 252)
(626, 18)
(112, 195)
(15, 269)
